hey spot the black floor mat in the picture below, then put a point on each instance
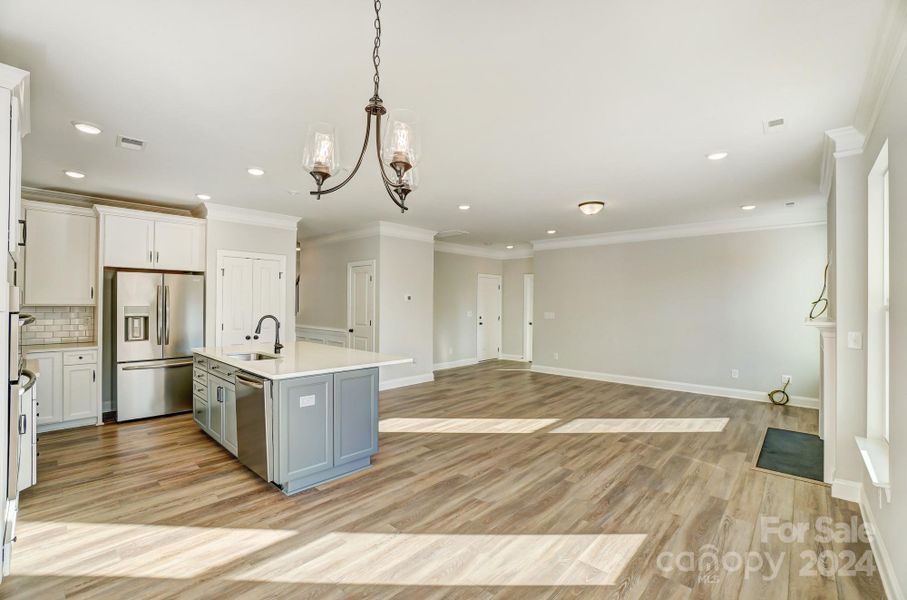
(792, 453)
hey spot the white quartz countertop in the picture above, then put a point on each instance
(300, 359)
(60, 347)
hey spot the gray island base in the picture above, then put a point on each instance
(298, 419)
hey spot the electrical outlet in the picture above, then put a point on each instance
(735, 373)
(785, 379)
(557, 356)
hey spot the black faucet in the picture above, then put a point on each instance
(277, 344)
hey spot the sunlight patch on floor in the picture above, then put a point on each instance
(643, 426)
(427, 425)
(450, 559)
(55, 548)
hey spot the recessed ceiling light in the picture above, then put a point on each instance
(592, 207)
(74, 174)
(551, 231)
(510, 246)
(257, 172)
(203, 196)
(88, 128)
(464, 207)
(716, 155)
(748, 207)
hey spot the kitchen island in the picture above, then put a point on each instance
(297, 419)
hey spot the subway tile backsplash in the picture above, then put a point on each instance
(59, 325)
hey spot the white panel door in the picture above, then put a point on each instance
(488, 313)
(269, 297)
(49, 387)
(179, 246)
(80, 392)
(235, 322)
(361, 308)
(128, 242)
(60, 260)
(528, 301)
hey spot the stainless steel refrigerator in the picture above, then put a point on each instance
(155, 321)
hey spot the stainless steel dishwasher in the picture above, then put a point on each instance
(253, 424)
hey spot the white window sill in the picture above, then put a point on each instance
(875, 456)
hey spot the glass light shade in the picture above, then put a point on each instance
(401, 141)
(321, 154)
(591, 208)
(411, 179)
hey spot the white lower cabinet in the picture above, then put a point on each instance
(67, 388)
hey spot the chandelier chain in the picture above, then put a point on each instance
(376, 59)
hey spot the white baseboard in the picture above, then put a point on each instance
(463, 362)
(693, 388)
(399, 382)
(879, 552)
(517, 357)
(845, 489)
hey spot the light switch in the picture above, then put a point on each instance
(855, 340)
(306, 401)
(549, 315)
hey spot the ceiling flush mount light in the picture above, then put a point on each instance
(203, 196)
(257, 172)
(74, 174)
(89, 128)
(400, 150)
(716, 156)
(551, 231)
(464, 207)
(592, 207)
(748, 207)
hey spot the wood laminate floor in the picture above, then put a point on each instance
(609, 507)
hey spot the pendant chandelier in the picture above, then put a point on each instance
(400, 150)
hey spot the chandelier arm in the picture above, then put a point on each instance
(387, 180)
(368, 129)
(403, 207)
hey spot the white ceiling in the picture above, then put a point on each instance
(527, 108)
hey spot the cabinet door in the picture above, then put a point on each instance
(229, 408)
(269, 287)
(305, 437)
(80, 392)
(216, 408)
(49, 389)
(128, 242)
(60, 259)
(179, 246)
(355, 415)
(200, 411)
(235, 295)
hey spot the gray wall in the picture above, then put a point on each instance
(223, 235)
(455, 290)
(891, 518)
(512, 314)
(685, 310)
(322, 285)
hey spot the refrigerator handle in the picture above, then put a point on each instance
(166, 315)
(160, 313)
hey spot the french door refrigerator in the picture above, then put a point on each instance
(157, 319)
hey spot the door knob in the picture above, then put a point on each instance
(249, 337)
(254, 337)
(351, 331)
(530, 322)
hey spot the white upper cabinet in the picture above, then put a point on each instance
(60, 255)
(145, 240)
(128, 242)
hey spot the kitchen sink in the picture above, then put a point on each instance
(253, 356)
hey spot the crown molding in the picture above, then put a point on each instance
(680, 231)
(891, 41)
(247, 216)
(482, 252)
(103, 210)
(18, 82)
(56, 207)
(377, 229)
(87, 201)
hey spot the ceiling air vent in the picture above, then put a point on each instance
(130, 143)
(772, 126)
(450, 233)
